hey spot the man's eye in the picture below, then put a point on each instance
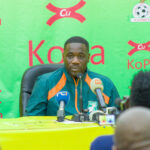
(70, 56)
(81, 56)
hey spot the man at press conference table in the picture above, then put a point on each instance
(76, 57)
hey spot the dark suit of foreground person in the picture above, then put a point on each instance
(76, 56)
(133, 130)
(102, 143)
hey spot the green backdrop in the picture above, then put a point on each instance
(105, 24)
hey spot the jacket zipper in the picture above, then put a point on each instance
(76, 95)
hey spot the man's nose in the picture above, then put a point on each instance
(75, 60)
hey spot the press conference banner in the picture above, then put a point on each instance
(34, 32)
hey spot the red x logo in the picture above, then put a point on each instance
(138, 47)
(66, 12)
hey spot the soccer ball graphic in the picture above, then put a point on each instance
(141, 10)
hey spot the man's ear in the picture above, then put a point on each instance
(63, 55)
(114, 147)
(88, 57)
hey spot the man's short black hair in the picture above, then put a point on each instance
(77, 39)
(140, 90)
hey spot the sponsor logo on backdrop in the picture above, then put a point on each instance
(132, 64)
(141, 12)
(138, 47)
(66, 12)
(33, 54)
(1, 115)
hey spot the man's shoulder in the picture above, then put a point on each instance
(97, 75)
(104, 78)
(52, 75)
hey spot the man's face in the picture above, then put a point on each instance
(76, 57)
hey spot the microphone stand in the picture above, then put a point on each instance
(61, 112)
(83, 116)
(81, 98)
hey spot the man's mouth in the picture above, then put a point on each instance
(75, 68)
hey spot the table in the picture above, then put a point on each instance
(45, 133)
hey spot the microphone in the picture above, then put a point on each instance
(62, 98)
(81, 98)
(97, 88)
(83, 116)
(122, 104)
(94, 115)
(102, 118)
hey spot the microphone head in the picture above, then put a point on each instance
(62, 96)
(96, 83)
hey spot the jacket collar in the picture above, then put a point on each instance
(69, 78)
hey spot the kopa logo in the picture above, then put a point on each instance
(132, 64)
(141, 12)
(66, 12)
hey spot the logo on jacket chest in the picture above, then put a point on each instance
(92, 106)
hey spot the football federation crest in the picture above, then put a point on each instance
(141, 13)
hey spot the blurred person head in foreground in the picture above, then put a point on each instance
(132, 130)
(140, 90)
